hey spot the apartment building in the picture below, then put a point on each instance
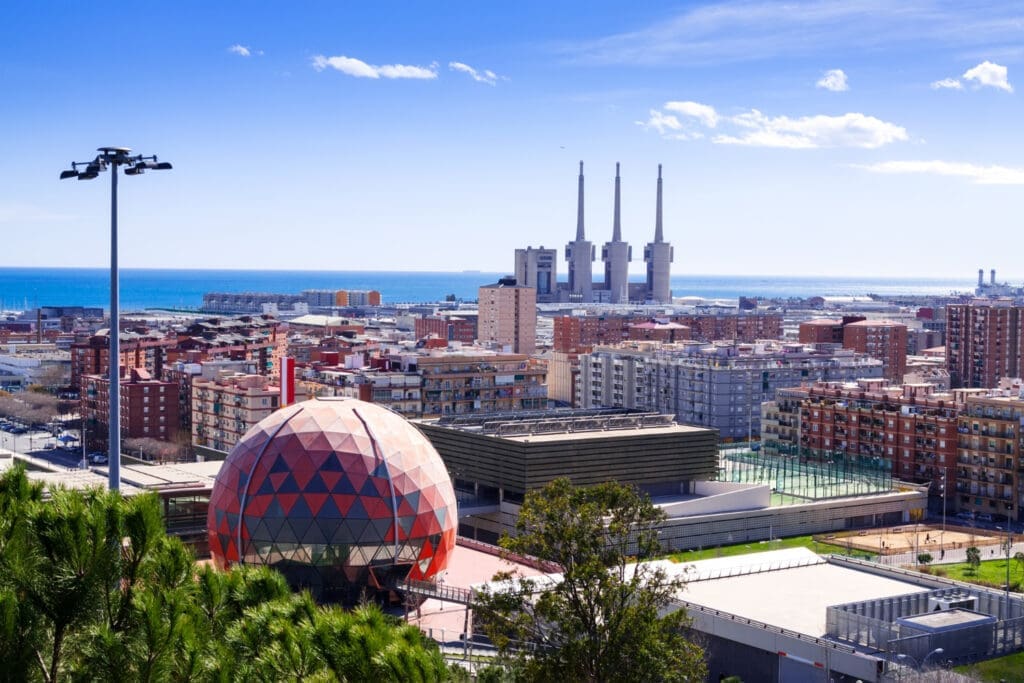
(910, 429)
(984, 342)
(989, 467)
(508, 316)
(454, 384)
(720, 386)
(143, 350)
(226, 407)
(581, 333)
(149, 406)
(881, 339)
(450, 328)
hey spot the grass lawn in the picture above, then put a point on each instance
(1008, 668)
(991, 573)
(763, 546)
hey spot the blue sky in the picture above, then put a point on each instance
(854, 138)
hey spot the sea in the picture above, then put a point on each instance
(179, 289)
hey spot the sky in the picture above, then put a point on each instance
(864, 137)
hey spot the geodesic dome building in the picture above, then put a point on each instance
(337, 494)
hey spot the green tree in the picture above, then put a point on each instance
(924, 558)
(91, 588)
(606, 618)
(973, 558)
(1019, 557)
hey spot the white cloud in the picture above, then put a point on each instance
(725, 31)
(360, 69)
(661, 122)
(704, 113)
(981, 175)
(755, 129)
(947, 84)
(240, 50)
(834, 80)
(987, 73)
(485, 76)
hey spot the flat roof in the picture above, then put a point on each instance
(601, 433)
(790, 589)
(947, 618)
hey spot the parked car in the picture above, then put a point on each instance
(98, 458)
(965, 514)
(985, 517)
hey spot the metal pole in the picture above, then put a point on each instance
(944, 484)
(114, 435)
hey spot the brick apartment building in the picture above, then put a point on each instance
(881, 339)
(146, 351)
(149, 407)
(965, 440)
(580, 333)
(449, 328)
(911, 428)
(984, 342)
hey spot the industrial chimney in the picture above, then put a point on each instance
(992, 277)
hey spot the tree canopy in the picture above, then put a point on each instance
(91, 588)
(608, 618)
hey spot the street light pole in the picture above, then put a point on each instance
(112, 157)
(944, 484)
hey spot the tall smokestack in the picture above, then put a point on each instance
(981, 277)
(617, 219)
(992, 277)
(579, 210)
(659, 236)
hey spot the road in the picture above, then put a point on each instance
(36, 444)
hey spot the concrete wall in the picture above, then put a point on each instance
(720, 496)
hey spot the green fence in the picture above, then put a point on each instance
(796, 478)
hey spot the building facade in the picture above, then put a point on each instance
(226, 407)
(149, 407)
(984, 342)
(538, 268)
(990, 470)
(717, 386)
(881, 339)
(581, 333)
(508, 316)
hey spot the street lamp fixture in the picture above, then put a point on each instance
(110, 158)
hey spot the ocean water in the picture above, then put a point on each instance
(23, 288)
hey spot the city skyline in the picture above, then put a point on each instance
(802, 137)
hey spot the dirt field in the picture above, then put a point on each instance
(920, 538)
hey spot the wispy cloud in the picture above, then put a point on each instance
(750, 30)
(243, 50)
(480, 76)
(947, 84)
(755, 129)
(704, 113)
(357, 68)
(834, 80)
(989, 74)
(981, 175)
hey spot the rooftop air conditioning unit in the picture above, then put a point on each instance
(938, 603)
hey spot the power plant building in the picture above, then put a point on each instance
(536, 268)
